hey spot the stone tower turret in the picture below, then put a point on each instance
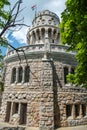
(44, 27)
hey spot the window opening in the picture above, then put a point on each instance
(65, 74)
(20, 73)
(39, 38)
(77, 110)
(27, 72)
(15, 108)
(68, 110)
(13, 75)
(72, 70)
(8, 110)
(52, 40)
(83, 109)
(23, 113)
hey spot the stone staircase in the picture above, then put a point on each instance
(12, 128)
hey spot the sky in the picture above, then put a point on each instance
(18, 38)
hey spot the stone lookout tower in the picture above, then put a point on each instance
(36, 91)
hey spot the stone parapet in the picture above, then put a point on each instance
(38, 48)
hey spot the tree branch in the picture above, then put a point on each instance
(12, 18)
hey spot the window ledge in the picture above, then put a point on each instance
(12, 84)
(70, 117)
(68, 85)
(78, 117)
(85, 116)
(26, 83)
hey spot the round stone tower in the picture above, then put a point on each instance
(36, 92)
(44, 27)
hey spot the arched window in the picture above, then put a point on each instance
(50, 35)
(34, 37)
(65, 74)
(38, 34)
(27, 73)
(72, 70)
(13, 79)
(20, 73)
(43, 34)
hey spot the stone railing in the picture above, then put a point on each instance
(39, 48)
(30, 48)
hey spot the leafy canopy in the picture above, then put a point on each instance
(74, 33)
(4, 15)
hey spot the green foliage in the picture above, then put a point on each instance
(73, 32)
(4, 15)
(70, 78)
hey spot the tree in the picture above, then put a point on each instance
(8, 21)
(3, 17)
(74, 33)
(1, 81)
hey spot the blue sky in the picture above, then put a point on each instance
(18, 38)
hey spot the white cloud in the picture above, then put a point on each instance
(57, 6)
(21, 35)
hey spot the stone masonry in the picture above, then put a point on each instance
(36, 92)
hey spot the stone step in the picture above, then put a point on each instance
(6, 126)
(12, 128)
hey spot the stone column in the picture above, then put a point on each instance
(52, 35)
(86, 109)
(23, 76)
(73, 111)
(36, 34)
(19, 108)
(69, 70)
(31, 38)
(16, 75)
(80, 113)
(56, 35)
(46, 36)
(47, 47)
(47, 100)
(11, 112)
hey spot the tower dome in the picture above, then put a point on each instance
(44, 26)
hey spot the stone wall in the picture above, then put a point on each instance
(67, 94)
(33, 104)
(23, 92)
(72, 98)
(45, 95)
(37, 94)
(34, 78)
